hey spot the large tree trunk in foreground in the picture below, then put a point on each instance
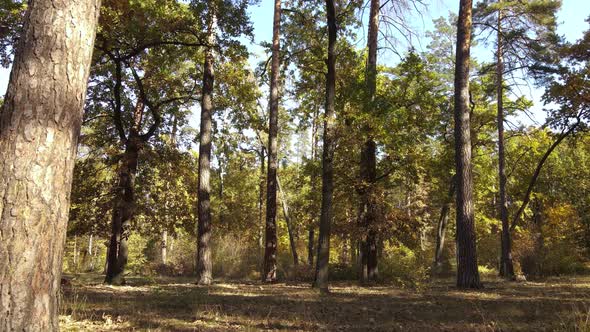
(467, 274)
(368, 163)
(322, 263)
(442, 229)
(204, 264)
(270, 248)
(506, 267)
(39, 127)
(123, 211)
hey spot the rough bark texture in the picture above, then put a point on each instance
(467, 274)
(322, 263)
(270, 248)
(123, 210)
(368, 162)
(204, 264)
(506, 267)
(442, 229)
(39, 126)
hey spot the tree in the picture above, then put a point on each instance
(204, 266)
(525, 37)
(467, 273)
(132, 86)
(368, 162)
(323, 260)
(569, 89)
(39, 127)
(270, 248)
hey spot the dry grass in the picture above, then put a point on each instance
(174, 304)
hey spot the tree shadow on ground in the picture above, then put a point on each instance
(176, 305)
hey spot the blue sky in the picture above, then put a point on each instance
(571, 18)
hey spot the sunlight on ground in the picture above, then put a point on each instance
(177, 305)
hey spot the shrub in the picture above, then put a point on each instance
(404, 267)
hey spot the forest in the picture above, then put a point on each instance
(295, 165)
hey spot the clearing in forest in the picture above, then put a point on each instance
(175, 304)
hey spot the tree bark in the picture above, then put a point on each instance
(204, 264)
(39, 126)
(270, 248)
(314, 180)
(368, 162)
(322, 263)
(467, 273)
(506, 267)
(261, 221)
(442, 228)
(123, 210)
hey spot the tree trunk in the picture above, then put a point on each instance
(527, 196)
(442, 228)
(75, 269)
(314, 180)
(39, 127)
(289, 223)
(90, 253)
(368, 163)
(322, 263)
(467, 274)
(164, 248)
(506, 267)
(261, 221)
(123, 211)
(270, 248)
(204, 264)
(310, 246)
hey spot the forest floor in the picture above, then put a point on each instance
(175, 304)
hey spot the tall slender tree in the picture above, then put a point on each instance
(270, 249)
(368, 162)
(39, 126)
(323, 260)
(204, 264)
(467, 273)
(525, 38)
(506, 267)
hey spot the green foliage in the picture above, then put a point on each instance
(405, 267)
(158, 47)
(11, 17)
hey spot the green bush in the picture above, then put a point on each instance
(404, 267)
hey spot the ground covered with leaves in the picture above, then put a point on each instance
(175, 304)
